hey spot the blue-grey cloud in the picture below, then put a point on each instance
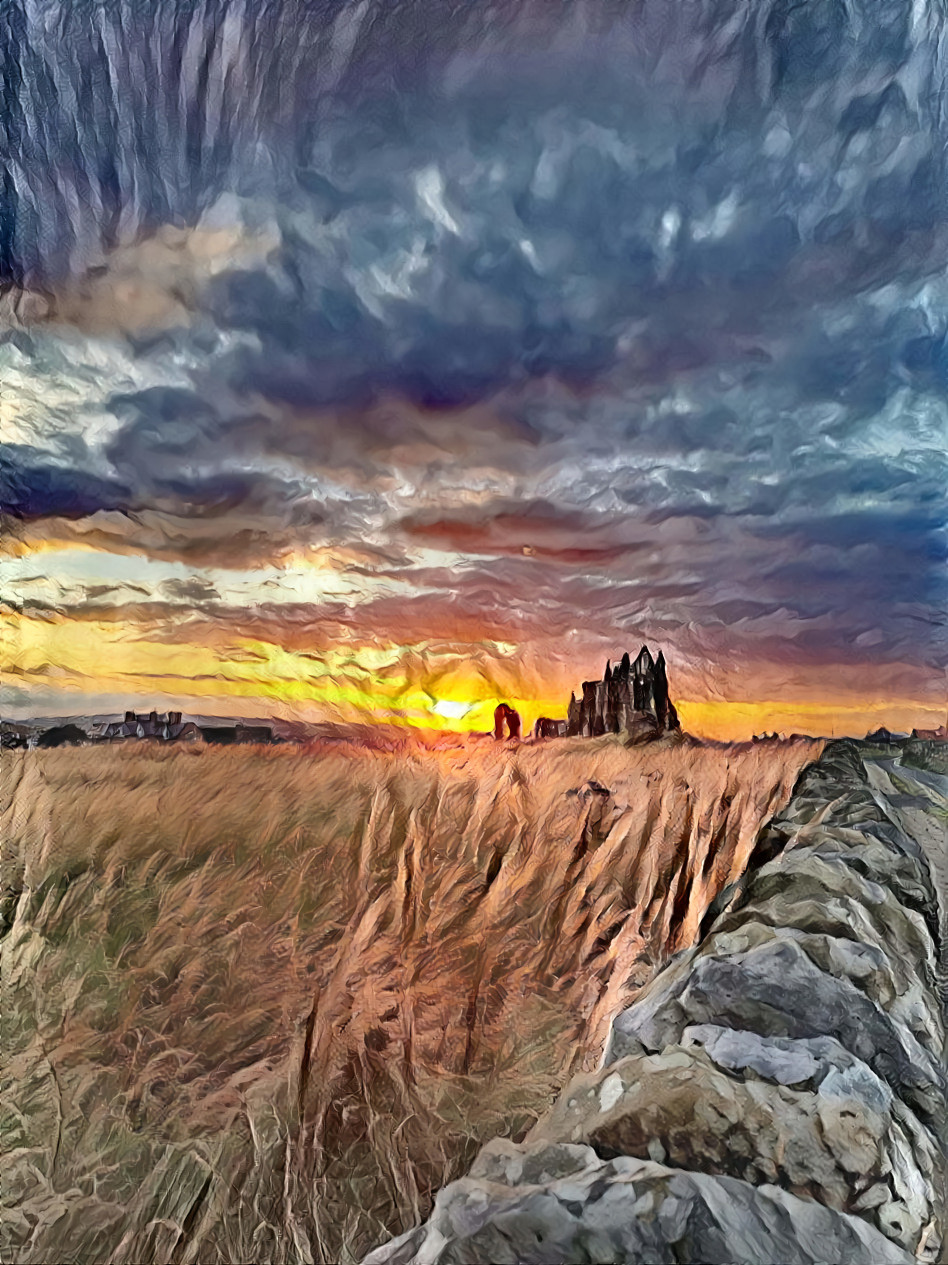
(31, 489)
(669, 265)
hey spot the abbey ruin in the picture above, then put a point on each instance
(631, 698)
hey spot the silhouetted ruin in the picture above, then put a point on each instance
(505, 715)
(631, 698)
(547, 728)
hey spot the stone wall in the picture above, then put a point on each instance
(777, 1093)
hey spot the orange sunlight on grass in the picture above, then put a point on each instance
(311, 981)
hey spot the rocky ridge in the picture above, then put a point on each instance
(778, 1092)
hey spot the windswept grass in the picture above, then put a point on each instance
(259, 1004)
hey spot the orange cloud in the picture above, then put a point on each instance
(346, 681)
(151, 284)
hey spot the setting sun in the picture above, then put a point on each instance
(451, 710)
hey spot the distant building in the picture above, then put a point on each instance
(631, 698)
(172, 728)
(13, 736)
(169, 728)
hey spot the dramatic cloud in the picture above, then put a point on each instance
(561, 325)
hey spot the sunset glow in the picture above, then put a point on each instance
(82, 664)
(422, 400)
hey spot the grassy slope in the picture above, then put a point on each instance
(259, 1003)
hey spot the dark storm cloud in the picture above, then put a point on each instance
(141, 115)
(809, 580)
(531, 528)
(32, 488)
(194, 590)
(482, 255)
(584, 182)
(152, 476)
(175, 464)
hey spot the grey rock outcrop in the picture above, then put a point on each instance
(631, 698)
(780, 1091)
(565, 1203)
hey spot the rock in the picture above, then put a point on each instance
(777, 1093)
(825, 967)
(927, 753)
(813, 1119)
(625, 1210)
(589, 790)
(777, 990)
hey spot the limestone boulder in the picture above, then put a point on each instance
(777, 1093)
(565, 1203)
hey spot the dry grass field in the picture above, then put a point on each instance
(260, 1003)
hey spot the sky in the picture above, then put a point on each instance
(382, 360)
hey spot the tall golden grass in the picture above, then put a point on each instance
(259, 1004)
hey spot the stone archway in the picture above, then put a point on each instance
(504, 714)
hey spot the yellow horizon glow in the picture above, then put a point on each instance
(736, 721)
(453, 689)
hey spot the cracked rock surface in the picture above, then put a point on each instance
(776, 1093)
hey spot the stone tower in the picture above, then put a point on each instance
(631, 698)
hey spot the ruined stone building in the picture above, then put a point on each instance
(168, 728)
(172, 728)
(506, 718)
(547, 728)
(631, 697)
